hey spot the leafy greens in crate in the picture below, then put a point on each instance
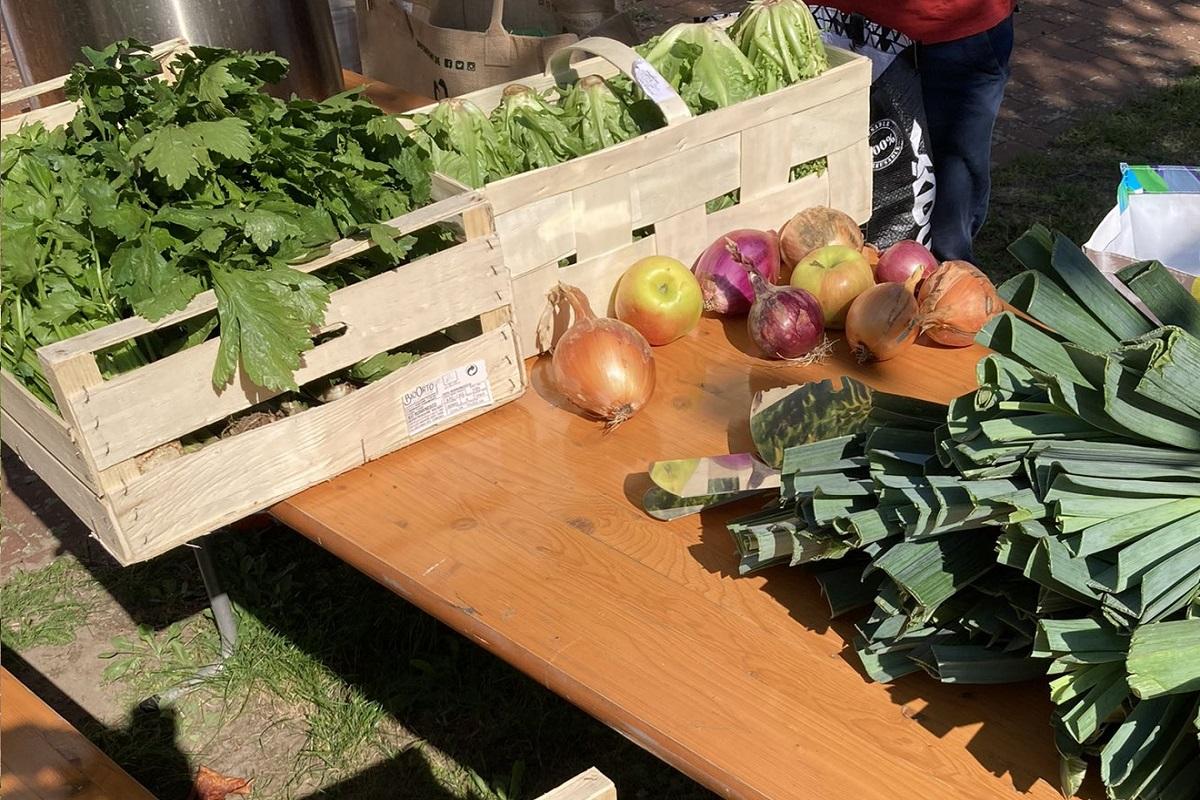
(774, 45)
(160, 189)
(1047, 523)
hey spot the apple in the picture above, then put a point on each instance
(661, 298)
(835, 275)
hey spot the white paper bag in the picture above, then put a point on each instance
(1157, 218)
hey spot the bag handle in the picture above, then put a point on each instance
(496, 26)
(499, 49)
(648, 79)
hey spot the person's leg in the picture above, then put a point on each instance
(963, 84)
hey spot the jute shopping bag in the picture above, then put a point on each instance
(444, 48)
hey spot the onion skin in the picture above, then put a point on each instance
(724, 283)
(813, 228)
(883, 322)
(602, 365)
(902, 259)
(956, 302)
(871, 254)
(785, 322)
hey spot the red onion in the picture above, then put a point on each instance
(785, 322)
(902, 259)
(724, 282)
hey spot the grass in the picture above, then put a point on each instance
(46, 607)
(373, 698)
(1072, 183)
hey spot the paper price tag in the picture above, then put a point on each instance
(450, 394)
(651, 81)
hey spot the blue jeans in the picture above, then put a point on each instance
(963, 83)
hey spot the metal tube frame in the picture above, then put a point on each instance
(227, 629)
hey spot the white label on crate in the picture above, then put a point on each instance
(652, 82)
(450, 394)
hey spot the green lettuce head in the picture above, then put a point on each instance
(704, 65)
(782, 41)
(534, 128)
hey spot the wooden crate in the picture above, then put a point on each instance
(91, 452)
(592, 210)
(589, 785)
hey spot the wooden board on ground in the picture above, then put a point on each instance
(522, 529)
(590, 785)
(42, 756)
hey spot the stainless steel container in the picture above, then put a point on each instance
(46, 35)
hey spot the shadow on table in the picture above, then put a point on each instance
(469, 707)
(145, 747)
(1013, 737)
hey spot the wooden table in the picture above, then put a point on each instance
(44, 757)
(522, 529)
(385, 95)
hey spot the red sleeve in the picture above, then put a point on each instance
(930, 21)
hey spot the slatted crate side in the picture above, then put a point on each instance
(122, 418)
(140, 410)
(588, 209)
(249, 472)
(91, 509)
(682, 167)
(142, 515)
(45, 425)
(847, 74)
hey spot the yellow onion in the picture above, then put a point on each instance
(813, 228)
(882, 322)
(956, 302)
(602, 365)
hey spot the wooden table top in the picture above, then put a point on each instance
(522, 529)
(44, 757)
(388, 97)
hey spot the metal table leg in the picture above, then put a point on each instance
(226, 627)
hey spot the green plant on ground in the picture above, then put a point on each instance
(45, 606)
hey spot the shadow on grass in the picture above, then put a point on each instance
(407, 775)
(153, 595)
(146, 746)
(479, 713)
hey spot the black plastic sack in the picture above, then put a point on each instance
(904, 183)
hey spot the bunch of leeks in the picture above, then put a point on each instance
(1047, 523)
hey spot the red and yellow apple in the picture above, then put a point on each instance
(835, 275)
(661, 298)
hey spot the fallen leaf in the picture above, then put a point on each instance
(211, 785)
